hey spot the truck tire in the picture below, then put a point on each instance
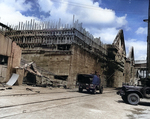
(101, 90)
(80, 89)
(124, 98)
(146, 92)
(94, 91)
(133, 99)
(88, 90)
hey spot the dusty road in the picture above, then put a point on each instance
(56, 103)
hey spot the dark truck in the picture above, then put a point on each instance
(132, 94)
(84, 81)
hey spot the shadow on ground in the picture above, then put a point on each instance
(144, 103)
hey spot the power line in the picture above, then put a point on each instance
(76, 4)
(97, 8)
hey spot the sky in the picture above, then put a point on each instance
(102, 18)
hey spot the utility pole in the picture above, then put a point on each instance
(148, 43)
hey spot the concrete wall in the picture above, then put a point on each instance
(130, 73)
(57, 64)
(83, 62)
(13, 52)
(79, 61)
(119, 78)
(16, 55)
(3, 71)
(5, 50)
(5, 45)
(13, 60)
(127, 72)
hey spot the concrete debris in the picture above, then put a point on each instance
(9, 88)
(31, 67)
(2, 84)
(13, 79)
(24, 111)
(29, 89)
(33, 76)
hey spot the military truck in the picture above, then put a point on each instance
(84, 81)
(132, 94)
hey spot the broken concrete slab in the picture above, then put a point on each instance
(13, 79)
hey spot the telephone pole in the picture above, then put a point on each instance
(148, 43)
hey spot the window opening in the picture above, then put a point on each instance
(3, 60)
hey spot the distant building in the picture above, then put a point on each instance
(140, 70)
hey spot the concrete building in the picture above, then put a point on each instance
(64, 51)
(130, 70)
(10, 56)
(116, 61)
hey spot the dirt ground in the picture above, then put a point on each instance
(27, 102)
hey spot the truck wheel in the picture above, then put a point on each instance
(101, 90)
(80, 89)
(94, 91)
(88, 91)
(124, 98)
(133, 99)
(147, 92)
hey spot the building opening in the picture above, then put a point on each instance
(3, 60)
(30, 79)
(3, 67)
(64, 47)
(61, 77)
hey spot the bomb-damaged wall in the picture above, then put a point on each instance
(10, 56)
(52, 62)
(83, 62)
(71, 63)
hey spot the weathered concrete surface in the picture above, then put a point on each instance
(118, 49)
(13, 60)
(56, 103)
(16, 55)
(5, 45)
(13, 52)
(78, 62)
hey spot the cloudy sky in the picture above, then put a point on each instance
(102, 18)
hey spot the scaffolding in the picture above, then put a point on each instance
(51, 34)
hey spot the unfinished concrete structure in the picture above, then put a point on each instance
(10, 56)
(65, 51)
